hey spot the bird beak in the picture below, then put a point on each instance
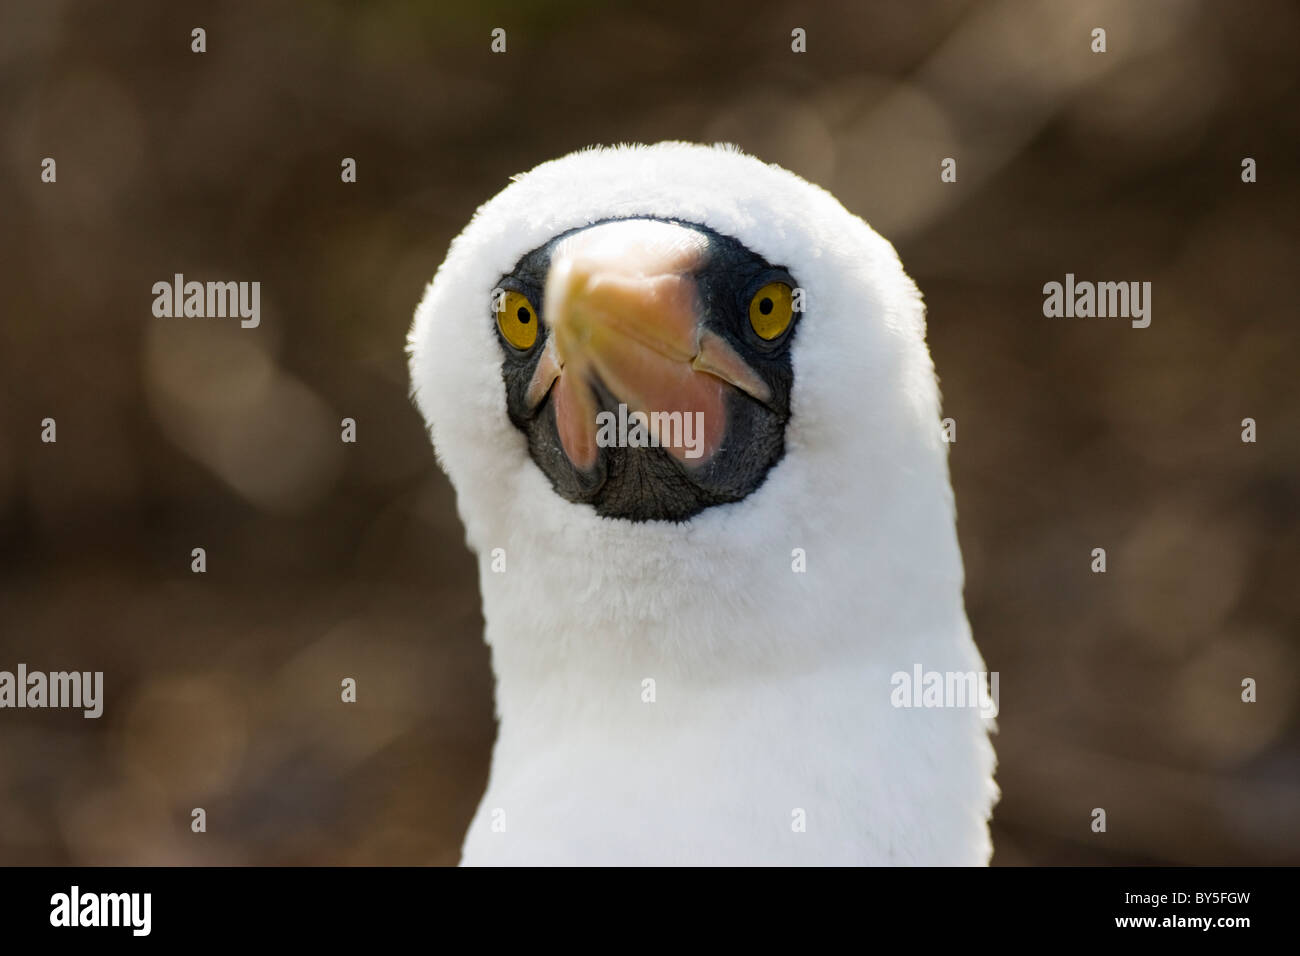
(624, 310)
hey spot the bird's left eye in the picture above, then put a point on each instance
(517, 321)
(771, 310)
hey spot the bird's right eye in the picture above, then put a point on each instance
(517, 321)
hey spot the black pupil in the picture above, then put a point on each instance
(524, 315)
(765, 306)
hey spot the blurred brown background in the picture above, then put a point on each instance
(328, 560)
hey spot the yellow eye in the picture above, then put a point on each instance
(517, 321)
(771, 310)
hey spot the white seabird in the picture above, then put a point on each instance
(694, 654)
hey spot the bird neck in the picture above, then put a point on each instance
(713, 609)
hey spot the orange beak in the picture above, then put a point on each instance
(623, 308)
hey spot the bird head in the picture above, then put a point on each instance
(766, 340)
